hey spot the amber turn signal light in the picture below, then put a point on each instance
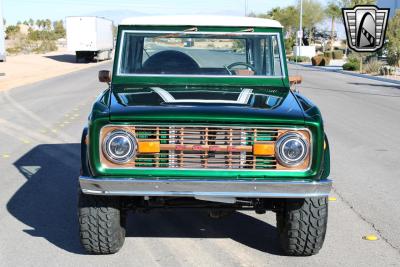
(149, 147)
(264, 149)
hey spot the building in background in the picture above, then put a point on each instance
(392, 4)
(2, 45)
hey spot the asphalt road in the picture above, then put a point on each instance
(40, 127)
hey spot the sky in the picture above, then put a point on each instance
(20, 10)
(116, 10)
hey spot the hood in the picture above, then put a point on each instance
(205, 104)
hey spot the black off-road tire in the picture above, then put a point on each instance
(101, 224)
(302, 226)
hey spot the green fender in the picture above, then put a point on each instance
(327, 161)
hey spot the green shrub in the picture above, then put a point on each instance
(337, 54)
(328, 54)
(298, 59)
(393, 59)
(353, 62)
(320, 61)
(373, 66)
(351, 66)
(11, 31)
(387, 70)
(13, 50)
(36, 35)
(289, 43)
(393, 37)
(59, 30)
(46, 46)
(353, 58)
(238, 46)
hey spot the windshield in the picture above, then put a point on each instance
(200, 54)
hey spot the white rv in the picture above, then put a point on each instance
(91, 38)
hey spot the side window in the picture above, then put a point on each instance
(276, 56)
(131, 59)
(265, 55)
(270, 56)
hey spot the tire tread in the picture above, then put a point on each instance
(101, 224)
(302, 226)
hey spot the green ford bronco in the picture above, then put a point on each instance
(199, 114)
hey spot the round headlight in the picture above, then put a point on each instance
(292, 149)
(119, 146)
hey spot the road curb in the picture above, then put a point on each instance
(349, 73)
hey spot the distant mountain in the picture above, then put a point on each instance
(238, 13)
(117, 15)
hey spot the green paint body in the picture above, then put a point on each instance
(106, 110)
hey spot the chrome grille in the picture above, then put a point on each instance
(202, 147)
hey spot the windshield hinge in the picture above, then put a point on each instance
(191, 30)
(248, 30)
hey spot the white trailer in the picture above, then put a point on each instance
(91, 38)
(2, 45)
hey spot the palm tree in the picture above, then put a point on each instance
(47, 24)
(352, 3)
(39, 23)
(333, 11)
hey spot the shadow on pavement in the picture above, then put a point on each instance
(239, 227)
(47, 204)
(66, 58)
(345, 91)
(393, 86)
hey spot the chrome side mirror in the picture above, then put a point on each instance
(105, 76)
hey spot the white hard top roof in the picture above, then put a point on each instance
(180, 20)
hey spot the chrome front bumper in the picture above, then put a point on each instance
(205, 188)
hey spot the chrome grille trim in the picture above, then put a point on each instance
(202, 139)
(197, 160)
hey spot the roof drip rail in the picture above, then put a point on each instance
(199, 21)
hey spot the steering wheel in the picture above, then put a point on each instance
(230, 67)
(170, 61)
